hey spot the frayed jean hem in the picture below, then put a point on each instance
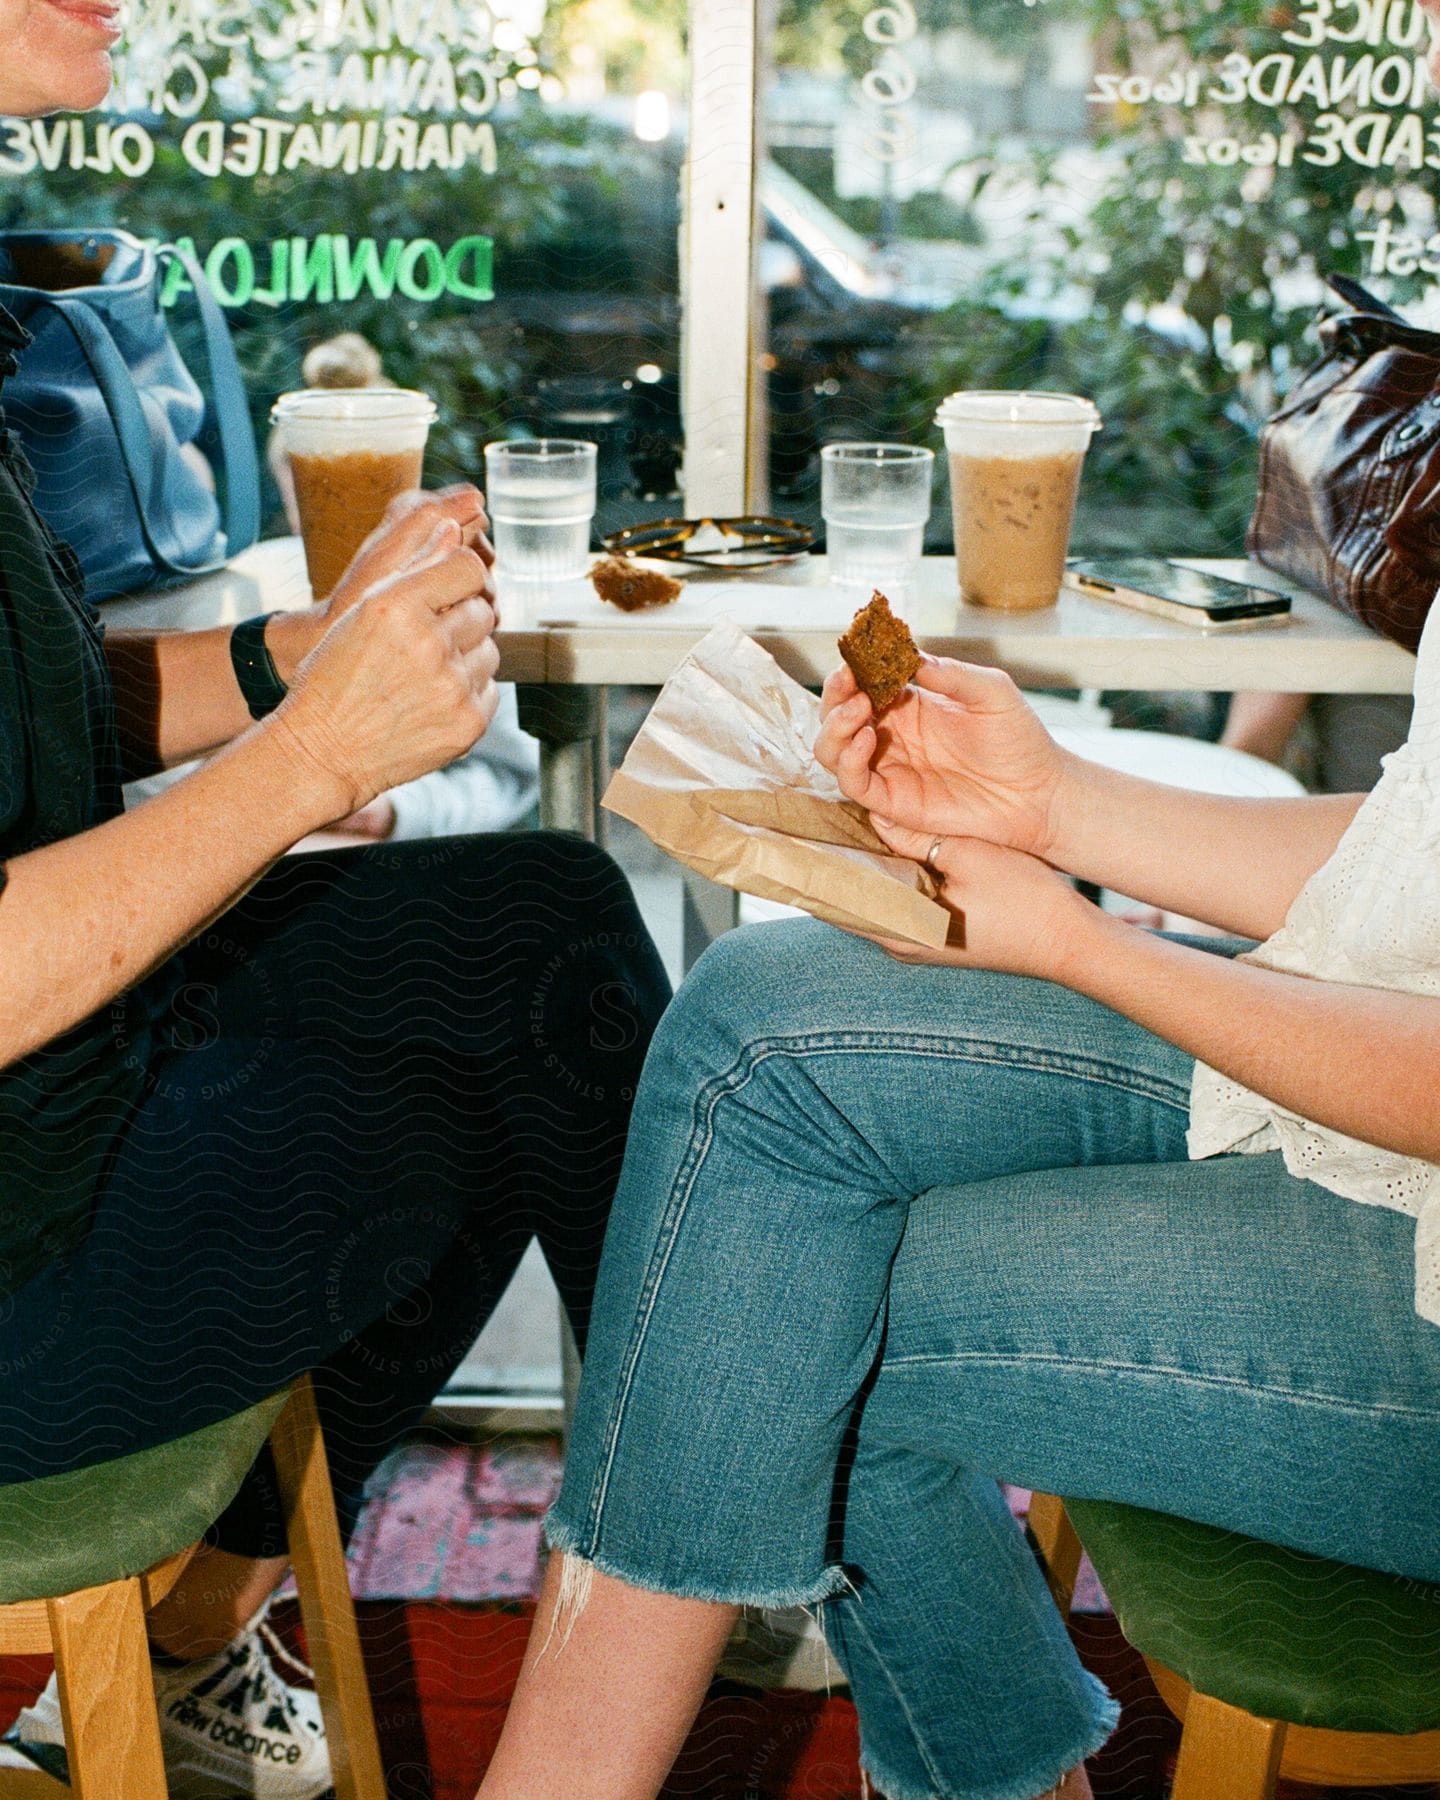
(1030, 1787)
(570, 1543)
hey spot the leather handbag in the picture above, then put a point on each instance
(1349, 490)
(112, 419)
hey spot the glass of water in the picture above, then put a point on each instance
(541, 497)
(876, 500)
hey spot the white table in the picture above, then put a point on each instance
(565, 646)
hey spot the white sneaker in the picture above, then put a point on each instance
(231, 1727)
(781, 1648)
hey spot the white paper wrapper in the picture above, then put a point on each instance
(723, 776)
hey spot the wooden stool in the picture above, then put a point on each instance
(1277, 1663)
(85, 1555)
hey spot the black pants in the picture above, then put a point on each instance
(385, 1072)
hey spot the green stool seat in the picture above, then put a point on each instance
(1276, 1633)
(117, 1519)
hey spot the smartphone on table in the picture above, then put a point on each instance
(1155, 584)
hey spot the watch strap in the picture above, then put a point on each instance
(255, 670)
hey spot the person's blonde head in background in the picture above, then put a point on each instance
(347, 360)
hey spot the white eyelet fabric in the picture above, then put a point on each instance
(1369, 917)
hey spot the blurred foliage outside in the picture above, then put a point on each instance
(569, 190)
(1198, 286)
(1180, 300)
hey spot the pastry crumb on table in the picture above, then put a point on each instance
(626, 585)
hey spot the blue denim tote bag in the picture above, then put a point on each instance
(112, 419)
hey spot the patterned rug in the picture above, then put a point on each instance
(449, 1521)
(458, 1522)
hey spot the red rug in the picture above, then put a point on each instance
(446, 1563)
(441, 1675)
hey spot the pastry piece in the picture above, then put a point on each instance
(880, 651)
(626, 585)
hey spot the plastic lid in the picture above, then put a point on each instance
(361, 405)
(992, 407)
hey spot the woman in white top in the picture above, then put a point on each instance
(889, 1232)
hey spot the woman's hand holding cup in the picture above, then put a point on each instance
(411, 519)
(401, 683)
(403, 535)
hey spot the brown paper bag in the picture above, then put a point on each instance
(723, 776)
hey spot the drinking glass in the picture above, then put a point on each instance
(541, 497)
(876, 500)
(351, 450)
(1015, 462)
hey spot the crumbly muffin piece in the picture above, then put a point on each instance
(880, 651)
(623, 584)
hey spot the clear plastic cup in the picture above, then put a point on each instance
(352, 450)
(1015, 463)
(540, 493)
(875, 499)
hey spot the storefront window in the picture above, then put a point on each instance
(486, 190)
(1136, 202)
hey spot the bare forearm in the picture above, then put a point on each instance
(1235, 863)
(175, 691)
(85, 919)
(1364, 1061)
(1262, 724)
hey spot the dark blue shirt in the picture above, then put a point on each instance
(63, 1108)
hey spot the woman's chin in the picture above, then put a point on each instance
(97, 87)
(87, 81)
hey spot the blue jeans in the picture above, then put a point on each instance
(887, 1234)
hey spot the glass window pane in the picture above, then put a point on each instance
(1136, 202)
(485, 190)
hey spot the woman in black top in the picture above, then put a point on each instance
(313, 1127)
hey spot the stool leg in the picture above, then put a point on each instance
(1226, 1754)
(107, 1693)
(1059, 1548)
(326, 1605)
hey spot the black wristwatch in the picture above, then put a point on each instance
(254, 667)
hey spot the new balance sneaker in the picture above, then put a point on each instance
(231, 1726)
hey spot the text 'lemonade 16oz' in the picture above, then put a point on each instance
(540, 493)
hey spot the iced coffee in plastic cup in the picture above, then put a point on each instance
(1015, 464)
(352, 450)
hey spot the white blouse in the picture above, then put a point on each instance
(1369, 917)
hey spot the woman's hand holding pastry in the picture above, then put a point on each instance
(961, 752)
(402, 683)
(1012, 912)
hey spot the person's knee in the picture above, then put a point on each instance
(768, 975)
(758, 983)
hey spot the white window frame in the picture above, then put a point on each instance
(721, 390)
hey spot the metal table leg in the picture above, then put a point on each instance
(570, 724)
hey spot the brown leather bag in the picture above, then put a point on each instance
(1349, 492)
